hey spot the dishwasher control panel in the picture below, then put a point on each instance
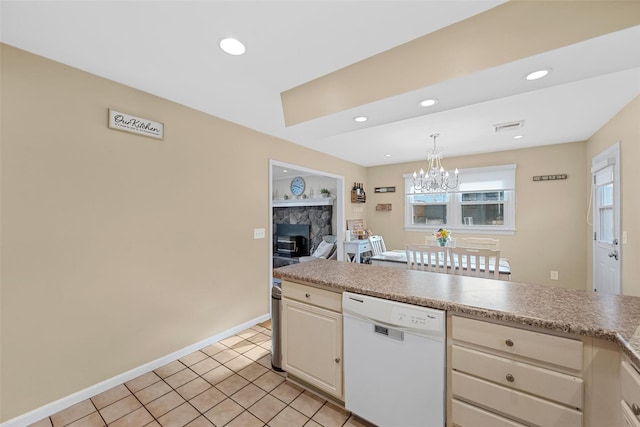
(394, 313)
(417, 319)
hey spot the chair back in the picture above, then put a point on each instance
(478, 243)
(377, 245)
(432, 241)
(426, 258)
(474, 262)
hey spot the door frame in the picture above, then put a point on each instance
(338, 211)
(608, 157)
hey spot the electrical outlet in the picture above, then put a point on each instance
(259, 233)
(554, 275)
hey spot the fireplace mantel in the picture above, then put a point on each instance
(320, 201)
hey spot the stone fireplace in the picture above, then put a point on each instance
(317, 217)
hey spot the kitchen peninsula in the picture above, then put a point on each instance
(606, 327)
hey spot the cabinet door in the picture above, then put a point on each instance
(312, 345)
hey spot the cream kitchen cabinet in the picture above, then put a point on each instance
(312, 337)
(500, 375)
(630, 391)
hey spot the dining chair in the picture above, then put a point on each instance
(426, 258)
(377, 245)
(478, 243)
(474, 262)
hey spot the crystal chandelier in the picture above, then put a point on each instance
(435, 179)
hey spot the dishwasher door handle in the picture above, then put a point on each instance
(396, 334)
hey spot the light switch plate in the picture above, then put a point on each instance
(259, 233)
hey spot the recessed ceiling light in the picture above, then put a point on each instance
(537, 74)
(428, 102)
(360, 119)
(518, 137)
(387, 155)
(284, 170)
(232, 46)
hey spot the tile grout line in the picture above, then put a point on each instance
(143, 405)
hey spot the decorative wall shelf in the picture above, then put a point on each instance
(318, 201)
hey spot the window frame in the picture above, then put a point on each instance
(475, 180)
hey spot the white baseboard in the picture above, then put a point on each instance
(60, 404)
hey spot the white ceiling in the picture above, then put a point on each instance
(169, 49)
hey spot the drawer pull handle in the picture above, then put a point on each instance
(511, 378)
(337, 360)
(636, 409)
(509, 343)
(307, 295)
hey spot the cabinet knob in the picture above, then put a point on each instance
(509, 343)
(636, 409)
(510, 378)
(307, 295)
(337, 360)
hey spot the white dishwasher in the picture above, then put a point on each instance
(394, 362)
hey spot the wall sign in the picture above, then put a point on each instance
(550, 177)
(385, 189)
(133, 124)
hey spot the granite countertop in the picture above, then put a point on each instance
(609, 317)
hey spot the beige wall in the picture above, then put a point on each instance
(625, 128)
(550, 216)
(116, 247)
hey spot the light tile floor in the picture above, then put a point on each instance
(229, 383)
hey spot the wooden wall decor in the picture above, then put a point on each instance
(550, 177)
(385, 189)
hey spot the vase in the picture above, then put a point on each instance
(442, 243)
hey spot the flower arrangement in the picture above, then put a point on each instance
(443, 235)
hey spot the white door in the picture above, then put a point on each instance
(606, 221)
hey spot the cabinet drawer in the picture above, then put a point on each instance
(630, 387)
(355, 245)
(512, 403)
(465, 415)
(561, 388)
(310, 295)
(534, 345)
(629, 419)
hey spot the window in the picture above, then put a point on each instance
(484, 202)
(604, 193)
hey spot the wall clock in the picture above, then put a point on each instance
(297, 186)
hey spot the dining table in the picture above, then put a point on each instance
(398, 258)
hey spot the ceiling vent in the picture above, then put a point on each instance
(504, 127)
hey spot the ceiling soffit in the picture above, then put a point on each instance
(506, 33)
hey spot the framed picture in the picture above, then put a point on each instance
(355, 224)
